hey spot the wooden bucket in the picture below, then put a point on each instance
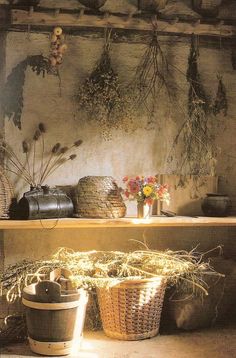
(54, 318)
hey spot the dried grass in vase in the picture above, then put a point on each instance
(38, 164)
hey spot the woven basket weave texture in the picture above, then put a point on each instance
(99, 197)
(6, 194)
(132, 309)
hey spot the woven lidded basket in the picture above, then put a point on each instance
(6, 194)
(132, 309)
(99, 197)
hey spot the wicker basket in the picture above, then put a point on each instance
(132, 309)
(6, 195)
(99, 197)
(207, 7)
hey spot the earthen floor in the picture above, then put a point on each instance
(211, 343)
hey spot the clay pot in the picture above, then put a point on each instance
(208, 8)
(93, 4)
(216, 205)
(151, 5)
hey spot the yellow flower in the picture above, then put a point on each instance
(147, 190)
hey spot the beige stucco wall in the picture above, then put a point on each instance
(35, 244)
(141, 152)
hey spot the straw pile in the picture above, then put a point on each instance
(106, 268)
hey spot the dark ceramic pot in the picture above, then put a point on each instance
(216, 205)
(93, 4)
(44, 203)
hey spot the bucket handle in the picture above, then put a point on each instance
(48, 291)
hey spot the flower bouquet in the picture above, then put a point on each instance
(145, 190)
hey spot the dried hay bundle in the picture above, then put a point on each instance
(92, 269)
(13, 330)
(105, 268)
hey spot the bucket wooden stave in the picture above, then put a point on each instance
(54, 318)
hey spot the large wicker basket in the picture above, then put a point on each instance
(6, 194)
(98, 197)
(132, 309)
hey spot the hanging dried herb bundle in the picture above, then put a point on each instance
(100, 95)
(198, 142)
(233, 58)
(12, 96)
(221, 103)
(151, 76)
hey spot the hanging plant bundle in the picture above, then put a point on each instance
(100, 95)
(197, 99)
(221, 103)
(12, 97)
(233, 58)
(151, 76)
(197, 139)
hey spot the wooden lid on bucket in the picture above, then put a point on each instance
(50, 292)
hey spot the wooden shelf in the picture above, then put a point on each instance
(43, 19)
(178, 221)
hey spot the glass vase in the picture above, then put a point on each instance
(144, 211)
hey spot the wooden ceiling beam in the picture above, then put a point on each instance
(131, 22)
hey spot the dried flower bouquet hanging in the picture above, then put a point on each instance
(100, 95)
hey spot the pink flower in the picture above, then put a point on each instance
(125, 179)
(151, 180)
(127, 194)
(134, 187)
